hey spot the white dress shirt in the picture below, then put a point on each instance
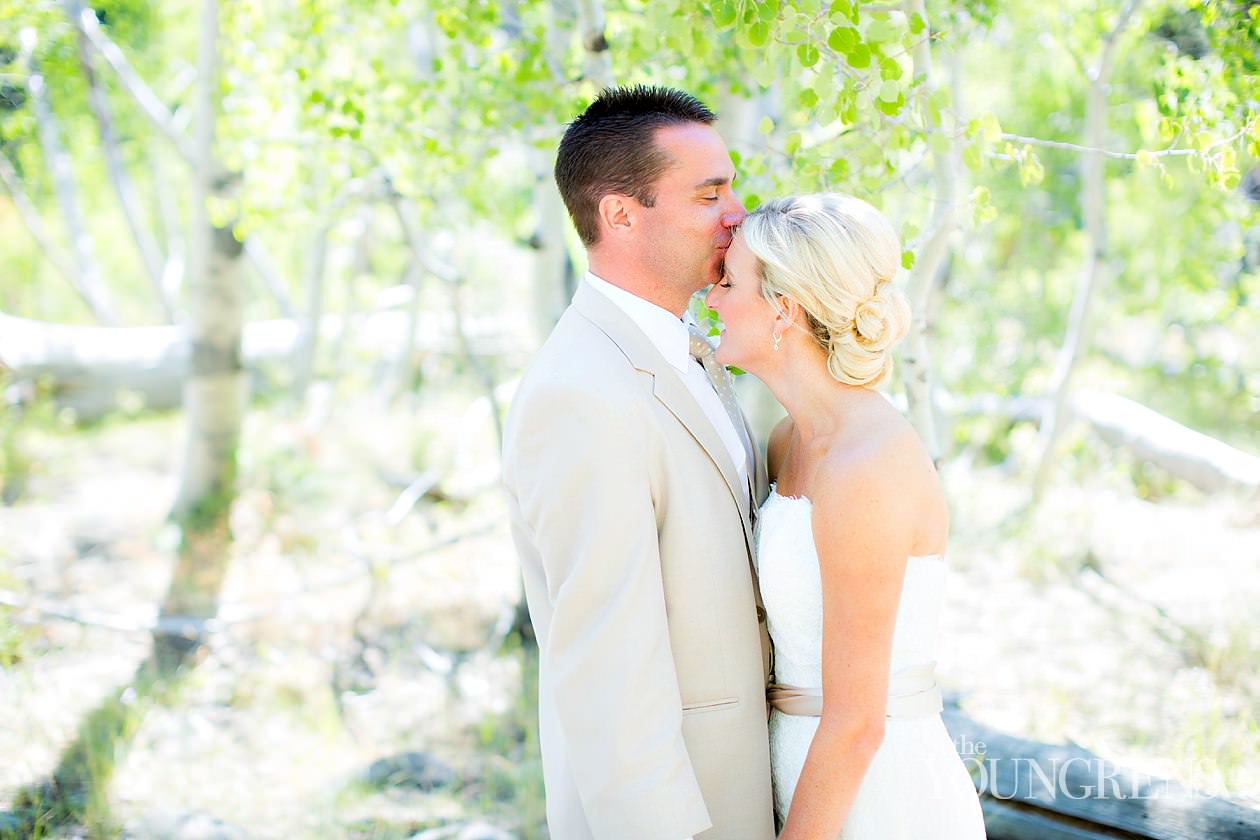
(668, 333)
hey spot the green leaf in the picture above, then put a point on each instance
(1030, 169)
(1145, 158)
(890, 107)
(752, 202)
(982, 209)
(907, 260)
(971, 157)
(990, 128)
(889, 91)
(838, 171)
(701, 46)
(859, 57)
(768, 10)
(759, 34)
(848, 111)
(917, 24)
(881, 31)
(766, 126)
(824, 81)
(807, 55)
(807, 98)
(792, 144)
(842, 39)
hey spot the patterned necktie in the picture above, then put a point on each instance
(702, 351)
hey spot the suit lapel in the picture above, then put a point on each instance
(667, 386)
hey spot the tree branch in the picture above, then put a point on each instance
(124, 188)
(1076, 147)
(30, 217)
(143, 95)
(58, 162)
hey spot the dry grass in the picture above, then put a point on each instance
(1124, 625)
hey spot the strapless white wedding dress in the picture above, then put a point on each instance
(916, 787)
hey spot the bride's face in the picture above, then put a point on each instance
(747, 317)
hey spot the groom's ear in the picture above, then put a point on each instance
(617, 215)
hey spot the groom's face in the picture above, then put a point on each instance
(688, 229)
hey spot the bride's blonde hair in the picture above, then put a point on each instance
(835, 255)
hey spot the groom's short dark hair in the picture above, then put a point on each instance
(611, 148)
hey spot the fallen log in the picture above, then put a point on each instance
(91, 370)
(1034, 791)
(1207, 463)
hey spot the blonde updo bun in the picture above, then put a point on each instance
(835, 255)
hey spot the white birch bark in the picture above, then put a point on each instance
(170, 226)
(124, 187)
(916, 354)
(551, 263)
(214, 393)
(1093, 196)
(598, 63)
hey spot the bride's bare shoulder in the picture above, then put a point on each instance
(882, 473)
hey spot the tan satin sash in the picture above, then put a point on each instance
(912, 692)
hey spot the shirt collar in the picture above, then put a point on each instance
(667, 332)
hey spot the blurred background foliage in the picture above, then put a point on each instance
(394, 158)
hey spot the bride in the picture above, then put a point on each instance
(851, 540)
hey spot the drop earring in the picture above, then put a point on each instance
(777, 338)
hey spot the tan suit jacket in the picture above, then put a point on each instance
(636, 550)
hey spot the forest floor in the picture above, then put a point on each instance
(354, 633)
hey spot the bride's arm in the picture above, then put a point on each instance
(863, 526)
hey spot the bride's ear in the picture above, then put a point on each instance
(790, 313)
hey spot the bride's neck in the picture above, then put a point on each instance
(814, 399)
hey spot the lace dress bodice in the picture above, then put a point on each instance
(787, 564)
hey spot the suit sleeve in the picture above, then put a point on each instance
(580, 470)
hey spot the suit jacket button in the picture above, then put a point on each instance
(761, 614)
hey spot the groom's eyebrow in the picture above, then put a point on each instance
(715, 182)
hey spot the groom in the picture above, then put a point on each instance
(631, 483)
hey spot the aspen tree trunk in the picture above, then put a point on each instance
(1093, 207)
(916, 353)
(552, 267)
(215, 390)
(598, 67)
